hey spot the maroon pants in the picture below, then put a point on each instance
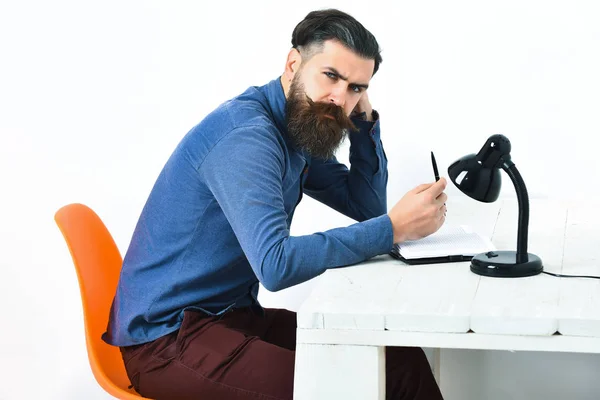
(244, 355)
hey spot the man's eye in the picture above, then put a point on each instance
(331, 75)
(356, 89)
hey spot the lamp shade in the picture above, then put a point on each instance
(475, 179)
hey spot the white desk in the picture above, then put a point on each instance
(354, 312)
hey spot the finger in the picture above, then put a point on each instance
(442, 198)
(438, 187)
(441, 211)
(442, 214)
(422, 187)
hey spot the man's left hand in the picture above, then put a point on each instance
(363, 106)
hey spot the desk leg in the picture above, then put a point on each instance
(325, 372)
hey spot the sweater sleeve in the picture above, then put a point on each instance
(358, 192)
(244, 174)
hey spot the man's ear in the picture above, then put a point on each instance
(292, 64)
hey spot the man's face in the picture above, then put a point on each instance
(322, 95)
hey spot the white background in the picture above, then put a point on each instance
(94, 96)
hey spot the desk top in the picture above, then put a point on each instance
(384, 294)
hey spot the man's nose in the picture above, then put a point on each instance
(338, 98)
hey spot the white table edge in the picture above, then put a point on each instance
(553, 343)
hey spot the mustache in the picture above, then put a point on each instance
(329, 113)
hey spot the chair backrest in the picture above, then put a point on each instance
(98, 264)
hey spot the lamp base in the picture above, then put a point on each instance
(503, 264)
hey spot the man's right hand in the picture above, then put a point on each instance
(421, 212)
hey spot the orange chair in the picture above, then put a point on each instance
(98, 264)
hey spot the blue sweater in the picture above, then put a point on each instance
(217, 220)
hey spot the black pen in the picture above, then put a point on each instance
(435, 170)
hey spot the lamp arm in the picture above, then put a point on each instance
(523, 200)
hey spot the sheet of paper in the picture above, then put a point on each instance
(448, 240)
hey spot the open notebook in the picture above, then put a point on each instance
(449, 244)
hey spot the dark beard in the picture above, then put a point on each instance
(308, 126)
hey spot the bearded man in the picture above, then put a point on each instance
(217, 222)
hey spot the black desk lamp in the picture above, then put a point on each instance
(478, 176)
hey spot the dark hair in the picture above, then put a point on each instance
(322, 25)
